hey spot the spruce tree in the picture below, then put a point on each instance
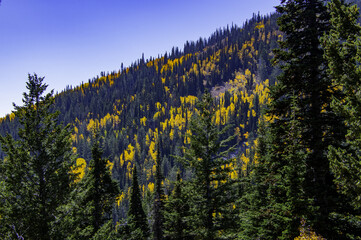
(94, 197)
(299, 183)
(273, 197)
(301, 59)
(342, 50)
(35, 174)
(102, 188)
(253, 200)
(209, 156)
(159, 198)
(137, 220)
(177, 214)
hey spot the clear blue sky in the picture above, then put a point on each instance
(70, 41)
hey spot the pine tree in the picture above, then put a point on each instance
(208, 156)
(35, 174)
(299, 182)
(103, 190)
(106, 232)
(137, 220)
(304, 22)
(342, 50)
(177, 214)
(95, 196)
(273, 197)
(159, 199)
(294, 172)
(253, 200)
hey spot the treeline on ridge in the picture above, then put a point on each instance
(212, 142)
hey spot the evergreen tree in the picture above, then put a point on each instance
(102, 189)
(106, 232)
(253, 191)
(177, 214)
(342, 50)
(95, 195)
(137, 220)
(273, 194)
(209, 156)
(88, 211)
(342, 46)
(35, 175)
(301, 59)
(159, 198)
(299, 182)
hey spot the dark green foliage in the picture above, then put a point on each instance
(208, 156)
(102, 190)
(294, 173)
(304, 76)
(342, 50)
(159, 198)
(253, 190)
(298, 182)
(88, 212)
(274, 200)
(178, 223)
(106, 232)
(137, 220)
(35, 174)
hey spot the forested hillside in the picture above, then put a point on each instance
(252, 133)
(153, 100)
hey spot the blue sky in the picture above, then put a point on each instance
(71, 41)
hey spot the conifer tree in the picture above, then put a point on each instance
(304, 22)
(103, 190)
(208, 156)
(94, 197)
(299, 182)
(159, 197)
(342, 50)
(36, 173)
(273, 194)
(177, 214)
(137, 220)
(253, 191)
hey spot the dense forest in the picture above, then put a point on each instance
(252, 133)
(154, 100)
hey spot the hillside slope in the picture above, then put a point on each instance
(153, 100)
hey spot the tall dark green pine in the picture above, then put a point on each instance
(177, 214)
(342, 50)
(304, 23)
(35, 174)
(273, 200)
(103, 189)
(159, 198)
(137, 220)
(95, 196)
(299, 183)
(253, 192)
(208, 156)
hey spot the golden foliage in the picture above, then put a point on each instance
(307, 234)
(151, 186)
(80, 168)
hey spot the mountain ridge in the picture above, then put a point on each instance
(153, 100)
